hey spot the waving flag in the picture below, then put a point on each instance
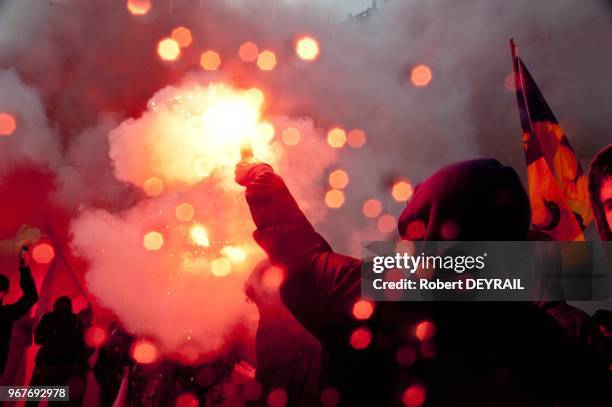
(557, 184)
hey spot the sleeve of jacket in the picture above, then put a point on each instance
(320, 286)
(28, 298)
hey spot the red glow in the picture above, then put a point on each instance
(272, 278)
(450, 230)
(186, 400)
(144, 352)
(372, 208)
(416, 230)
(252, 391)
(421, 76)
(248, 51)
(277, 398)
(425, 331)
(330, 397)
(43, 253)
(361, 338)
(95, 336)
(363, 309)
(7, 124)
(414, 396)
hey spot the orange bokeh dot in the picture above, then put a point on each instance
(421, 75)
(363, 309)
(248, 51)
(272, 278)
(336, 137)
(153, 241)
(220, 266)
(138, 7)
(361, 338)
(401, 191)
(43, 253)
(291, 136)
(414, 396)
(277, 398)
(307, 48)
(266, 60)
(144, 351)
(372, 208)
(210, 60)
(386, 223)
(416, 230)
(334, 198)
(356, 138)
(168, 49)
(7, 124)
(338, 179)
(186, 400)
(95, 336)
(153, 186)
(425, 331)
(184, 212)
(330, 397)
(182, 35)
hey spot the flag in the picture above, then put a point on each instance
(557, 185)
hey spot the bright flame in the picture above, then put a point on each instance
(421, 75)
(199, 235)
(220, 266)
(210, 60)
(182, 36)
(307, 48)
(266, 61)
(235, 254)
(168, 49)
(153, 241)
(248, 51)
(7, 124)
(138, 7)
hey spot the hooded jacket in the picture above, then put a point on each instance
(600, 169)
(504, 354)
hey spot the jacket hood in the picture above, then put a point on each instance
(600, 169)
(470, 200)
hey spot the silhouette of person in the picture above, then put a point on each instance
(9, 313)
(475, 354)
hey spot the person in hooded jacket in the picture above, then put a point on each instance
(472, 354)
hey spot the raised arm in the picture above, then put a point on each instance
(29, 294)
(321, 286)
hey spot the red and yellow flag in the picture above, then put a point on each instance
(557, 184)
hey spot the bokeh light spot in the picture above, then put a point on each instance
(138, 7)
(336, 137)
(7, 124)
(184, 212)
(405, 356)
(330, 397)
(277, 398)
(248, 51)
(168, 49)
(272, 278)
(372, 208)
(210, 60)
(338, 179)
(266, 60)
(186, 400)
(425, 331)
(307, 48)
(291, 136)
(414, 396)
(356, 138)
(361, 338)
(153, 241)
(416, 230)
(153, 186)
(95, 336)
(386, 223)
(334, 198)
(401, 191)
(43, 253)
(421, 75)
(363, 309)
(144, 352)
(220, 267)
(182, 36)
